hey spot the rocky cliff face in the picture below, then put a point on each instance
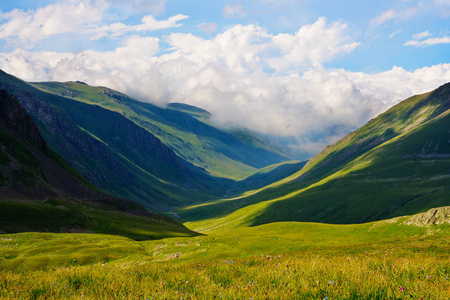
(15, 117)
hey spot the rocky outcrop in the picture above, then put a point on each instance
(14, 116)
(435, 216)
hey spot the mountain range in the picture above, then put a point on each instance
(158, 157)
(40, 191)
(106, 147)
(397, 164)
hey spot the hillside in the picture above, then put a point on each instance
(396, 164)
(230, 153)
(266, 176)
(111, 151)
(157, 157)
(39, 191)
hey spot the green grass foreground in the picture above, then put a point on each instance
(381, 260)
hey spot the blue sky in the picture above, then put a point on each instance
(285, 68)
(382, 43)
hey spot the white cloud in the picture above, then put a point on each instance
(149, 23)
(233, 11)
(313, 44)
(228, 76)
(429, 41)
(395, 33)
(208, 27)
(62, 17)
(392, 14)
(25, 28)
(421, 35)
(384, 17)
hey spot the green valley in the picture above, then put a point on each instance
(231, 154)
(396, 258)
(397, 164)
(157, 157)
(367, 218)
(224, 150)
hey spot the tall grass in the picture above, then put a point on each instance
(412, 268)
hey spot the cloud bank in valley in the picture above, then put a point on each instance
(274, 84)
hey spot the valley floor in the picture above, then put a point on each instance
(386, 259)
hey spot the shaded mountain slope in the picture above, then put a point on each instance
(233, 153)
(39, 191)
(396, 164)
(266, 176)
(112, 152)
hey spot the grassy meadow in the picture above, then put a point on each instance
(379, 260)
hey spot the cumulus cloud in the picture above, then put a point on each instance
(312, 44)
(232, 75)
(62, 17)
(25, 28)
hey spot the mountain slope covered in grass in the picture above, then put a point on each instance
(39, 191)
(158, 157)
(112, 152)
(396, 164)
(234, 153)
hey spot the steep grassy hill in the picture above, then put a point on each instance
(39, 191)
(112, 152)
(233, 153)
(396, 164)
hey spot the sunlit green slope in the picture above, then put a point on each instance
(47, 251)
(396, 164)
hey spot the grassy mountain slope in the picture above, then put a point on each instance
(266, 176)
(233, 153)
(39, 191)
(113, 152)
(398, 163)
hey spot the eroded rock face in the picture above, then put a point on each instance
(13, 115)
(434, 216)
